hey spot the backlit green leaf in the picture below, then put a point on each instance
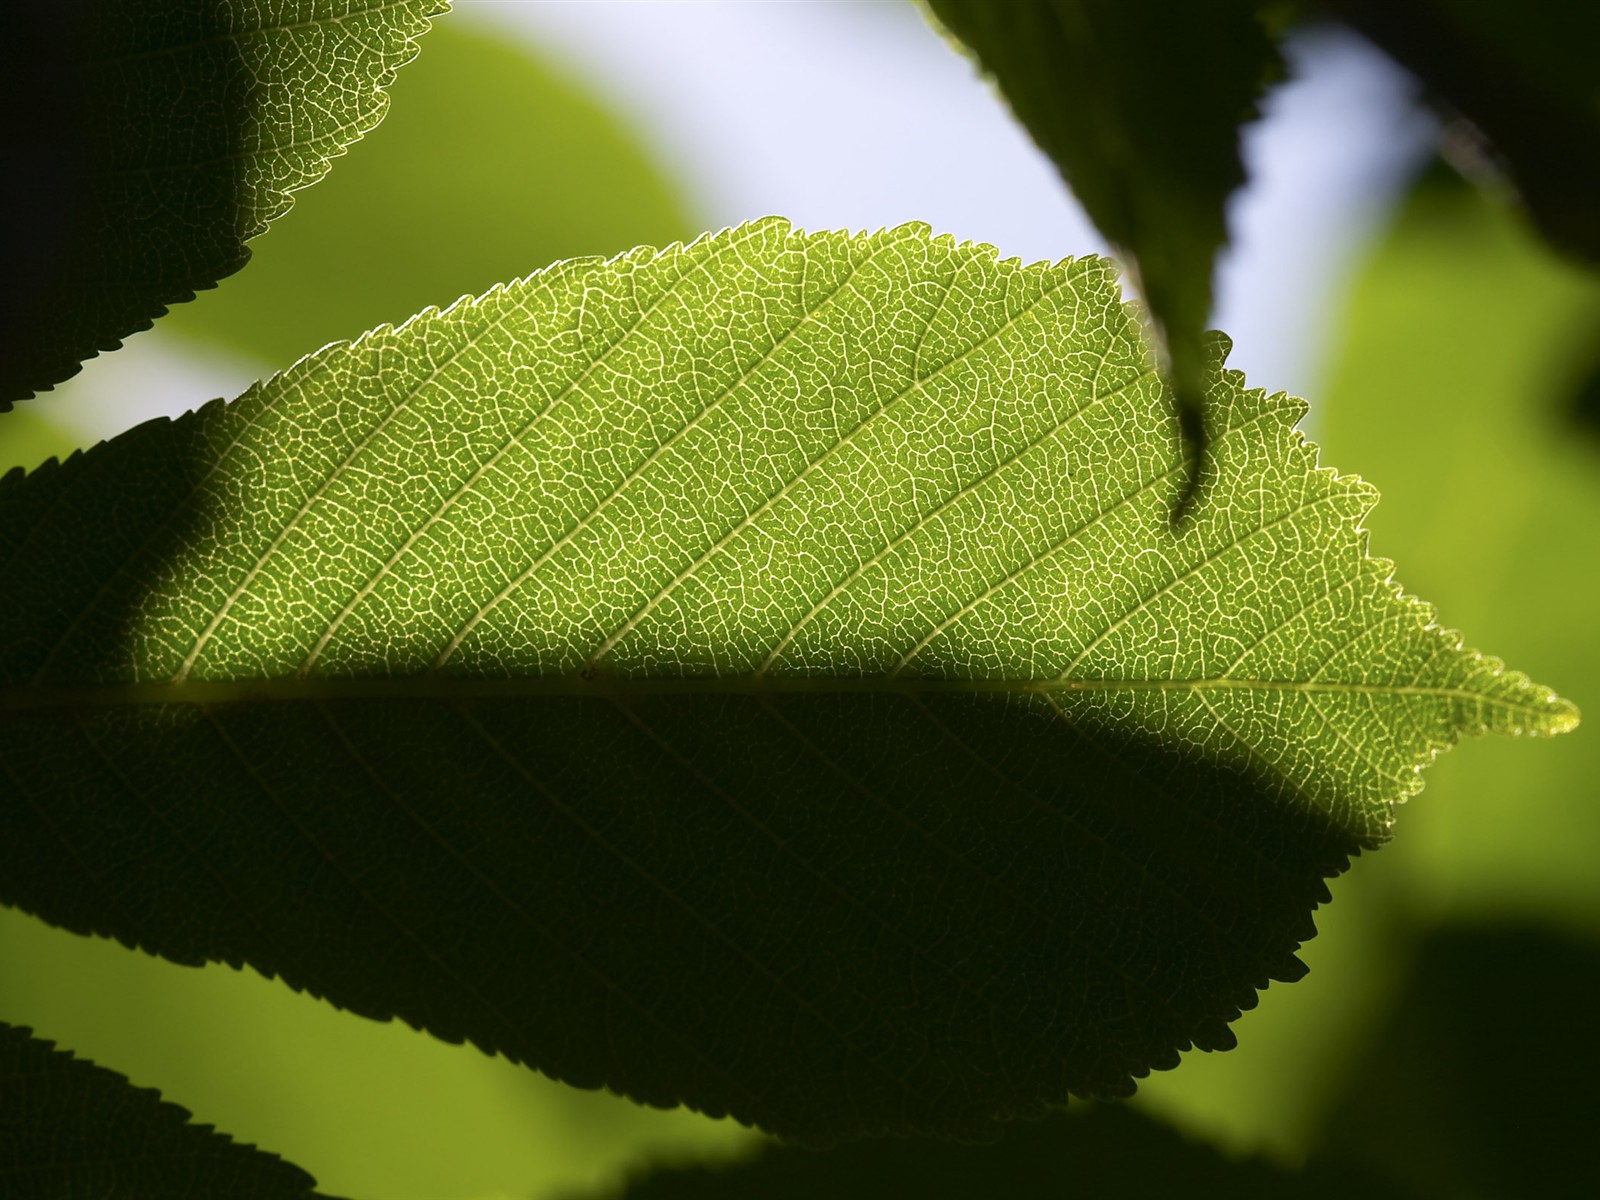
(758, 674)
(70, 1128)
(168, 134)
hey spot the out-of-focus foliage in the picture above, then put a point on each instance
(30, 437)
(1465, 344)
(1527, 77)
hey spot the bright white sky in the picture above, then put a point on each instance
(854, 113)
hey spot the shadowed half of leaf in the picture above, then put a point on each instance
(757, 674)
(70, 1128)
(160, 136)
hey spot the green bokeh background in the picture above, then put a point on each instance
(1456, 363)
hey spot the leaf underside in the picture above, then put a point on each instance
(70, 1128)
(758, 674)
(169, 133)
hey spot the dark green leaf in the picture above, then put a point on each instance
(1139, 103)
(162, 136)
(69, 1128)
(759, 674)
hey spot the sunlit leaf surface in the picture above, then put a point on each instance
(170, 133)
(760, 674)
(70, 1128)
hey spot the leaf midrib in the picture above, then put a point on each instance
(622, 689)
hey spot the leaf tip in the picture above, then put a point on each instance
(1561, 716)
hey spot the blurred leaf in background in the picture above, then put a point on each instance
(491, 165)
(1519, 84)
(31, 437)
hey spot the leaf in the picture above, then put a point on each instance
(1526, 77)
(171, 132)
(70, 1128)
(494, 124)
(758, 675)
(1139, 104)
(1105, 1150)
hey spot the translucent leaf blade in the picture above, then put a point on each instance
(758, 674)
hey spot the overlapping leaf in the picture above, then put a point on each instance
(165, 134)
(70, 1128)
(1139, 105)
(758, 674)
